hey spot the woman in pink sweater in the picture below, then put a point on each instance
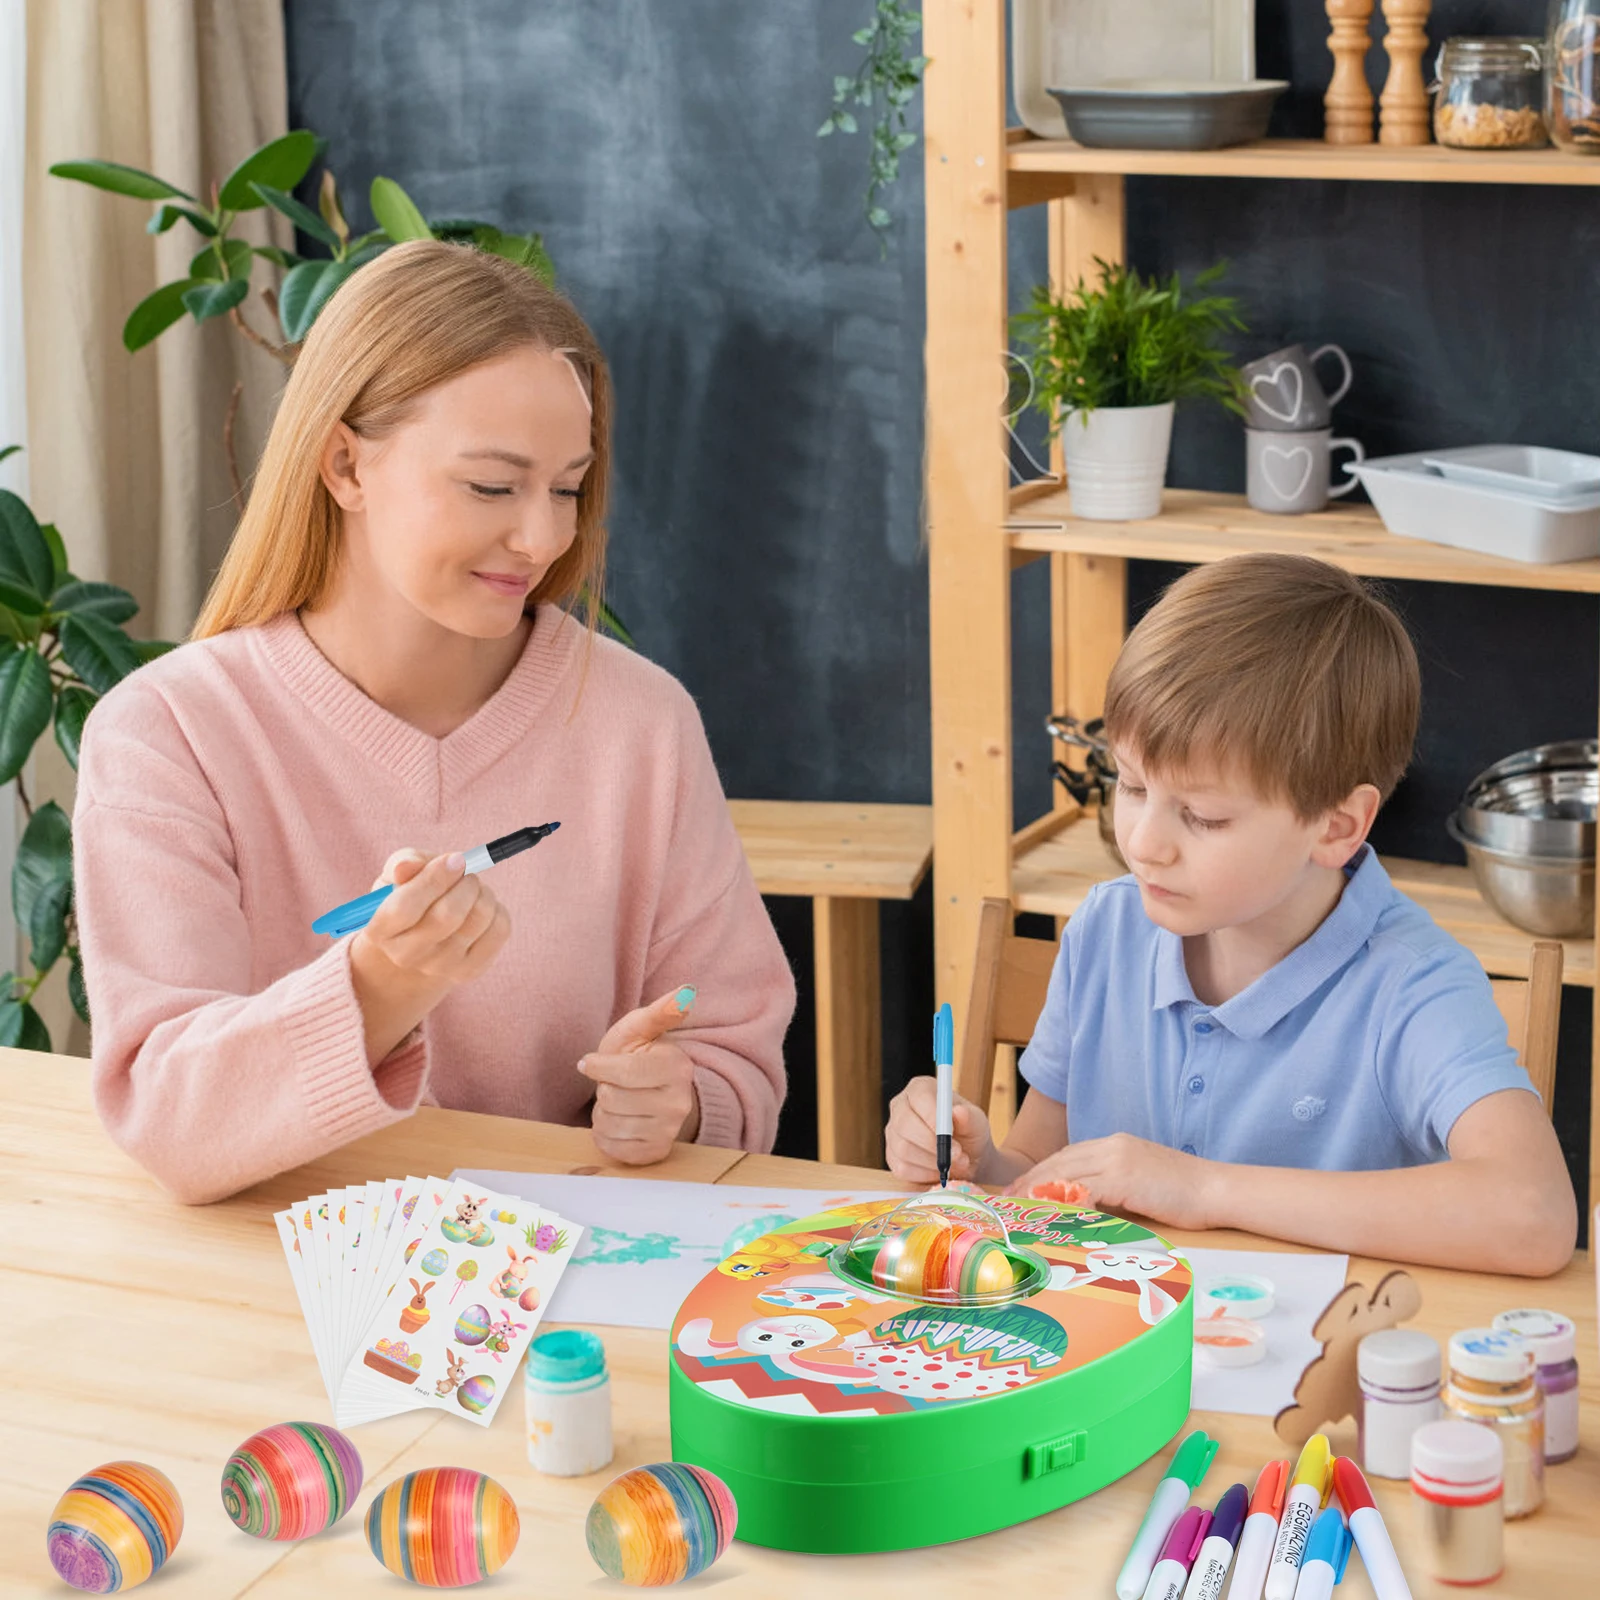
(385, 674)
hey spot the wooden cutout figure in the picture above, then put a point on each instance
(1329, 1390)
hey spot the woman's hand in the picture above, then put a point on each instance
(644, 1095)
(1125, 1173)
(441, 927)
(908, 1140)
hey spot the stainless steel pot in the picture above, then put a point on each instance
(1096, 785)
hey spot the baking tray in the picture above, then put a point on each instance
(1528, 469)
(1160, 114)
(1418, 502)
(1087, 42)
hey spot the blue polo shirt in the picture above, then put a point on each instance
(1358, 1051)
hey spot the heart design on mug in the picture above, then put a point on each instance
(1285, 463)
(1275, 379)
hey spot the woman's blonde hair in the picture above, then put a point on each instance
(415, 317)
(1290, 669)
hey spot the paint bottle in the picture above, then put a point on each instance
(1399, 1371)
(1492, 1382)
(568, 1394)
(1554, 1343)
(1456, 1482)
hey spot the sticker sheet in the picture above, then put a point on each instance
(421, 1292)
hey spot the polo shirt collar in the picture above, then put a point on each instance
(1250, 1013)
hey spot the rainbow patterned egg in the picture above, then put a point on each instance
(434, 1262)
(472, 1326)
(291, 1480)
(443, 1526)
(114, 1527)
(661, 1524)
(476, 1393)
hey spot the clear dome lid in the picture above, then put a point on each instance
(945, 1247)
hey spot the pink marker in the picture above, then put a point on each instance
(1177, 1555)
(1372, 1538)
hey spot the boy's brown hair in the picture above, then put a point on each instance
(1285, 668)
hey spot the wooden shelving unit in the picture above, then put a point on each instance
(980, 530)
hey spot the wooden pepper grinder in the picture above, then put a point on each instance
(1403, 106)
(1348, 102)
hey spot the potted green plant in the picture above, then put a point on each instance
(1109, 364)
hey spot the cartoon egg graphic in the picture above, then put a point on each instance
(434, 1262)
(472, 1326)
(455, 1230)
(476, 1393)
(504, 1216)
(529, 1300)
(411, 1250)
(482, 1235)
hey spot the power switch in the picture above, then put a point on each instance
(1054, 1454)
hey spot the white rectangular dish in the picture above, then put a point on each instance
(1081, 43)
(1417, 501)
(1522, 469)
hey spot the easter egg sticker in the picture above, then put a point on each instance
(528, 1300)
(476, 1393)
(434, 1263)
(472, 1326)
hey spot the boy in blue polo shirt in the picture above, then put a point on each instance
(1255, 1029)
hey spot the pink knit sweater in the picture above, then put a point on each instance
(232, 790)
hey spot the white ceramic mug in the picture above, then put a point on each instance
(1284, 394)
(1290, 473)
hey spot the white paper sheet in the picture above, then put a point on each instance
(648, 1244)
(1302, 1287)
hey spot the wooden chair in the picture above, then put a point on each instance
(1012, 975)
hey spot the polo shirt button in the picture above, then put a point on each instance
(1202, 1027)
(1189, 1150)
(1196, 1085)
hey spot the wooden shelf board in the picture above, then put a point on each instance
(1312, 158)
(831, 848)
(1054, 875)
(1196, 525)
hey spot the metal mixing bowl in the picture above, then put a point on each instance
(1545, 813)
(1548, 895)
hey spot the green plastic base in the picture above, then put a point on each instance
(841, 1485)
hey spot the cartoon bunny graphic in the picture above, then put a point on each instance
(416, 1313)
(1131, 1263)
(455, 1371)
(467, 1208)
(512, 1278)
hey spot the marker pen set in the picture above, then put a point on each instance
(354, 915)
(1288, 1540)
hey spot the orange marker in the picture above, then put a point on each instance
(1260, 1532)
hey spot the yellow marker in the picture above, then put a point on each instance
(1313, 1474)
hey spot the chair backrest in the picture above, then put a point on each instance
(1012, 975)
(1532, 1009)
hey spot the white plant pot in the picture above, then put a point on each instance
(1117, 460)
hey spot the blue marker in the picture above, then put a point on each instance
(1327, 1551)
(944, 1058)
(356, 914)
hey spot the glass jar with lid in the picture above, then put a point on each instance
(1490, 94)
(1572, 57)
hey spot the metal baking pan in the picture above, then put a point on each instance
(1166, 114)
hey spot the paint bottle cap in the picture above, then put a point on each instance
(1548, 1334)
(1464, 1458)
(1490, 1357)
(1399, 1358)
(567, 1356)
(1229, 1341)
(1238, 1294)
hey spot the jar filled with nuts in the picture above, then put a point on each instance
(1573, 58)
(1490, 94)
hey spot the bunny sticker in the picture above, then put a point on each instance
(512, 1280)
(455, 1371)
(416, 1314)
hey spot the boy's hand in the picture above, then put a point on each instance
(908, 1140)
(1129, 1174)
(644, 1095)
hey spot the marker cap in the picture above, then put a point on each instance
(1195, 1456)
(1350, 1486)
(1314, 1466)
(1228, 1518)
(944, 1036)
(1271, 1486)
(1188, 1534)
(1329, 1541)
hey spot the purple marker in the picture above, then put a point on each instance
(1182, 1546)
(1216, 1554)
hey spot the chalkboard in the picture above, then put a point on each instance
(766, 535)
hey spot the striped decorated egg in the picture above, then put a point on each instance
(434, 1262)
(661, 1524)
(472, 1326)
(114, 1527)
(291, 1480)
(443, 1527)
(476, 1393)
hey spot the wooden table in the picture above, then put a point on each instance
(845, 859)
(135, 1327)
